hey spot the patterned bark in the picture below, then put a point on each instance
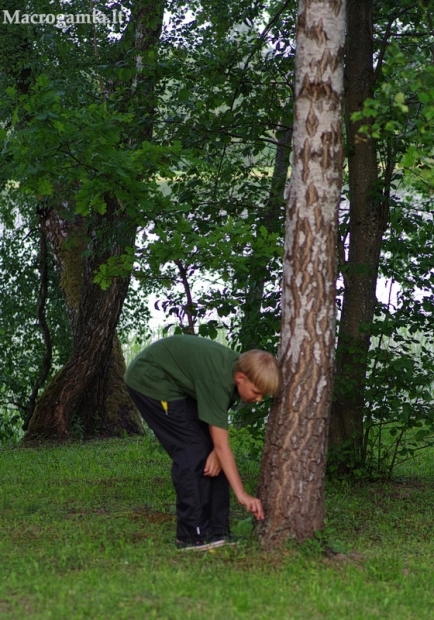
(293, 467)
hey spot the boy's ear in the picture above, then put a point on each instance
(239, 377)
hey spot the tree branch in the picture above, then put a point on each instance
(385, 41)
(43, 325)
(189, 306)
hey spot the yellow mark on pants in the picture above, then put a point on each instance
(165, 405)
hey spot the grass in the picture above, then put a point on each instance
(87, 532)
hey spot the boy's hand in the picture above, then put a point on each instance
(253, 505)
(212, 465)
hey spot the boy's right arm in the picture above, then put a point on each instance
(223, 450)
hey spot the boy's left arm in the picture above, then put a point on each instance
(223, 450)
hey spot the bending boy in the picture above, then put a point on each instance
(183, 387)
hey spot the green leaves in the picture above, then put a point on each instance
(85, 150)
(401, 112)
(20, 335)
(399, 418)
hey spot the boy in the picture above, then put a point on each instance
(183, 387)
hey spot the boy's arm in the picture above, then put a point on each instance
(223, 450)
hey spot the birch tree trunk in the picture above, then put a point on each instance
(294, 459)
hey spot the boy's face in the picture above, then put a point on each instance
(247, 390)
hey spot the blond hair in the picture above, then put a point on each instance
(261, 369)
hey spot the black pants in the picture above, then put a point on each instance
(202, 506)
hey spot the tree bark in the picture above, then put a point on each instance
(89, 389)
(293, 465)
(368, 221)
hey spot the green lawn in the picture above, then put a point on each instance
(87, 531)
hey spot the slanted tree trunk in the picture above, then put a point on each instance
(368, 220)
(293, 465)
(89, 389)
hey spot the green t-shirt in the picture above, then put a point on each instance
(180, 366)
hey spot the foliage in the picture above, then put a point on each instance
(402, 113)
(20, 335)
(215, 99)
(10, 427)
(196, 190)
(246, 443)
(399, 391)
(398, 394)
(398, 413)
(81, 149)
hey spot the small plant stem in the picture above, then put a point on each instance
(395, 452)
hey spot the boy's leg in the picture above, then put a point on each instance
(191, 486)
(211, 493)
(213, 490)
(219, 506)
(187, 441)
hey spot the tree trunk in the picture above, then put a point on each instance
(368, 219)
(293, 465)
(89, 390)
(259, 268)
